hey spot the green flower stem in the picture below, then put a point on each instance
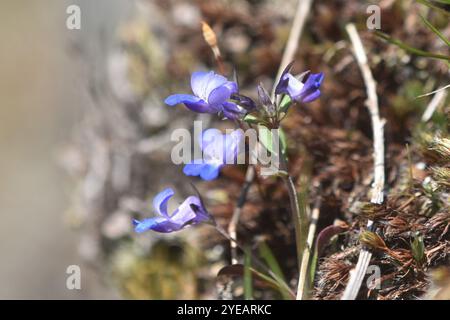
(299, 219)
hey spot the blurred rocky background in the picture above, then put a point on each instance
(43, 96)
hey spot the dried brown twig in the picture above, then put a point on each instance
(302, 285)
(303, 8)
(232, 226)
(357, 275)
(438, 99)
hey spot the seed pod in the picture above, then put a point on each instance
(209, 35)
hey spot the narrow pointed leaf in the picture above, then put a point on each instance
(436, 31)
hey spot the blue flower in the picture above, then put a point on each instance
(218, 149)
(190, 212)
(296, 89)
(211, 94)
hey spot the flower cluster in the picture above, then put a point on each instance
(215, 94)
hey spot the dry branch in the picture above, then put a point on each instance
(302, 281)
(249, 176)
(303, 8)
(437, 100)
(357, 275)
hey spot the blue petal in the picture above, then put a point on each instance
(232, 146)
(201, 214)
(203, 83)
(214, 82)
(184, 214)
(244, 102)
(201, 107)
(160, 201)
(230, 115)
(232, 86)
(158, 224)
(313, 96)
(283, 83)
(310, 90)
(214, 152)
(314, 81)
(193, 169)
(210, 172)
(209, 136)
(294, 87)
(232, 111)
(199, 81)
(175, 99)
(219, 95)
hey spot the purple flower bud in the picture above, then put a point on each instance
(265, 100)
(247, 103)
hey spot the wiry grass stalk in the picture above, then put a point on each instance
(300, 221)
(303, 284)
(357, 275)
(299, 218)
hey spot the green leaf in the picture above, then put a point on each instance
(313, 266)
(432, 6)
(443, 1)
(266, 138)
(274, 266)
(285, 103)
(283, 141)
(436, 31)
(250, 118)
(418, 249)
(275, 283)
(410, 49)
(248, 285)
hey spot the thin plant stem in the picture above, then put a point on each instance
(232, 227)
(298, 218)
(410, 49)
(303, 284)
(301, 14)
(357, 274)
